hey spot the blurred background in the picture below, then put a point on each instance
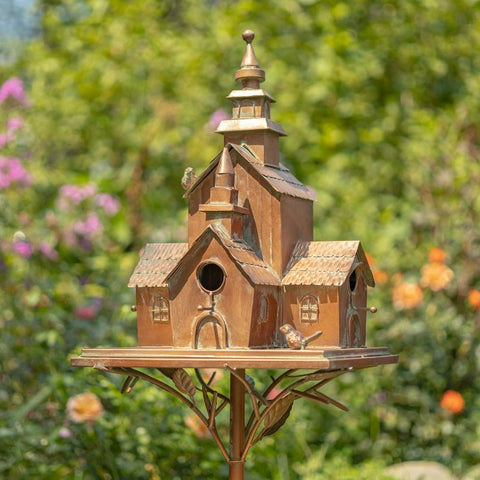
(103, 104)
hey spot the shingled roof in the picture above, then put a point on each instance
(157, 260)
(254, 268)
(279, 179)
(326, 263)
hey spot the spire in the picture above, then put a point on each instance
(250, 123)
(225, 176)
(250, 74)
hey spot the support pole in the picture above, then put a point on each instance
(237, 426)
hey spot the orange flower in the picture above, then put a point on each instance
(406, 296)
(452, 401)
(196, 426)
(85, 407)
(474, 298)
(436, 276)
(370, 259)
(437, 255)
(380, 276)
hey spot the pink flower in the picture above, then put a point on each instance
(109, 203)
(216, 117)
(48, 251)
(13, 88)
(88, 227)
(15, 123)
(65, 432)
(11, 171)
(86, 312)
(75, 194)
(24, 249)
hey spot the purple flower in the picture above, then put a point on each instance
(11, 171)
(14, 124)
(65, 432)
(109, 203)
(13, 87)
(24, 249)
(89, 227)
(75, 194)
(216, 117)
(48, 251)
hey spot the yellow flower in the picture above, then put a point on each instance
(436, 276)
(406, 296)
(85, 407)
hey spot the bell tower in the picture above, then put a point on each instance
(250, 123)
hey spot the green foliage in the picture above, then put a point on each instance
(380, 101)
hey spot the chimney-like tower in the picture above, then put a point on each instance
(223, 208)
(250, 123)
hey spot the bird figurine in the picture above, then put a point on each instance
(295, 339)
(188, 178)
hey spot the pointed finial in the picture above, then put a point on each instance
(250, 73)
(225, 173)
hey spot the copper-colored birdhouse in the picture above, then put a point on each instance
(250, 264)
(251, 288)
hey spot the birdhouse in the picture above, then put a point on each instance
(251, 276)
(250, 289)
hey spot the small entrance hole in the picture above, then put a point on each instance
(211, 277)
(353, 280)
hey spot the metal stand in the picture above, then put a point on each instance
(267, 414)
(237, 425)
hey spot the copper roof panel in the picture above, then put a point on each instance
(325, 263)
(157, 260)
(261, 275)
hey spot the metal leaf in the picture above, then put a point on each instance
(271, 430)
(168, 372)
(183, 382)
(278, 411)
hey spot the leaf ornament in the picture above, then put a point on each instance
(183, 382)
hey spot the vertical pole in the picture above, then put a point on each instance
(237, 426)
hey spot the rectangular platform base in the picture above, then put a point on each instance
(281, 358)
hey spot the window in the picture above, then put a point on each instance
(309, 309)
(263, 309)
(160, 310)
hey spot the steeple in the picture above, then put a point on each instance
(250, 123)
(223, 207)
(250, 75)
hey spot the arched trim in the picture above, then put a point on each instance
(354, 331)
(218, 324)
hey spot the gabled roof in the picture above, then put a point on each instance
(326, 263)
(279, 179)
(156, 261)
(255, 269)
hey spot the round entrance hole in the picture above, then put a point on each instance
(211, 277)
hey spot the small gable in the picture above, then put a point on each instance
(157, 260)
(326, 264)
(278, 179)
(253, 268)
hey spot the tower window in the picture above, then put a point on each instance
(211, 277)
(309, 309)
(160, 310)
